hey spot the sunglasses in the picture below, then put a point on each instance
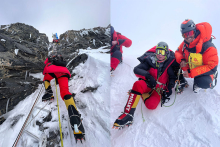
(187, 34)
(162, 52)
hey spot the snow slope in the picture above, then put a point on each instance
(93, 106)
(193, 120)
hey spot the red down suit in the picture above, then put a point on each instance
(163, 72)
(116, 50)
(60, 73)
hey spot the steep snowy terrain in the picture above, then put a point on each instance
(193, 120)
(93, 106)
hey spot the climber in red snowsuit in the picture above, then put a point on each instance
(156, 80)
(55, 67)
(117, 41)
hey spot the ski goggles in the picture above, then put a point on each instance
(161, 52)
(188, 34)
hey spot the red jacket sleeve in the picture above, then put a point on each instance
(179, 53)
(127, 42)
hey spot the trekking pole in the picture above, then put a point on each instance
(61, 137)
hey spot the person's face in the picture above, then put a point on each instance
(161, 54)
(160, 57)
(189, 36)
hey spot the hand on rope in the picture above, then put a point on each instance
(164, 98)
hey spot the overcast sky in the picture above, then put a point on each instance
(56, 16)
(147, 22)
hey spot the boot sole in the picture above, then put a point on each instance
(117, 126)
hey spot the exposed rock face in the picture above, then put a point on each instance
(13, 90)
(23, 32)
(20, 53)
(18, 56)
(94, 38)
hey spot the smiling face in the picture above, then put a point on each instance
(160, 57)
(189, 36)
(190, 39)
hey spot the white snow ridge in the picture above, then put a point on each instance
(193, 120)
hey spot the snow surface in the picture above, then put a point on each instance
(6, 27)
(193, 120)
(93, 41)
(3, 40)
(16, 51)
(93, 106)
(84, 32)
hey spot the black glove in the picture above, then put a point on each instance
(151, 82)
(169, 91)
(164, 97)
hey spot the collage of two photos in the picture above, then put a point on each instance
(55, 76)
(109, 73)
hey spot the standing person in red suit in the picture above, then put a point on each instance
(55, 38)
(55, 67)
(156, 77)
(197, 55)
(117, 41)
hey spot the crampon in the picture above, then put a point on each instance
(125, 119)
(79, 137)
(181, 87)
(119, 127)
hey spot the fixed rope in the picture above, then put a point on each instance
(61, 137)
(23, 127)
(142, 113)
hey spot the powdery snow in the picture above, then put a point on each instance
(193, 120)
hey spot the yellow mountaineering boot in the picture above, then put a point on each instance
(75, 118)
(48, 92)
